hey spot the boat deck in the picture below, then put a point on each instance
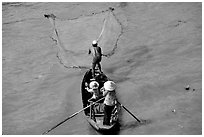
(99, 123)
(98, 107)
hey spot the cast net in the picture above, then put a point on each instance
(74, 37)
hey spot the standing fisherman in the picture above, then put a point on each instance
(97, 56)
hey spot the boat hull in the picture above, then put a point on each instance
(97, 121)
(99, 124)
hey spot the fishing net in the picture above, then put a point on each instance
(73, 37)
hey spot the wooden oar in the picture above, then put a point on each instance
(71, 116)
(130, 112)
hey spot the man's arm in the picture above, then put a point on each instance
(105, 93)
(104, 55)
(101, 52)
(89, 51)
(88, 89)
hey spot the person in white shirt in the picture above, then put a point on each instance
(94, 88)
(110, 100)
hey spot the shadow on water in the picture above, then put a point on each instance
(114, 131)
(134, 124)
(122, 126)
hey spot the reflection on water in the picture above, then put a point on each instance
(134, 124)
(114, 131)
(121, 126)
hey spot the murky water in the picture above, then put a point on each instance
(154, 51)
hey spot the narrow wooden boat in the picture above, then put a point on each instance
(94, 114)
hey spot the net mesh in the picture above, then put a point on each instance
(74, 37)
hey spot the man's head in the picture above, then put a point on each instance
(94, 43)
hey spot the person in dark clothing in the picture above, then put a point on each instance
(97, 56)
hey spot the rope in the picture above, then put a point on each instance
(60, 45)
(103, 28)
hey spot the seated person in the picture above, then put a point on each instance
(94, 88)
